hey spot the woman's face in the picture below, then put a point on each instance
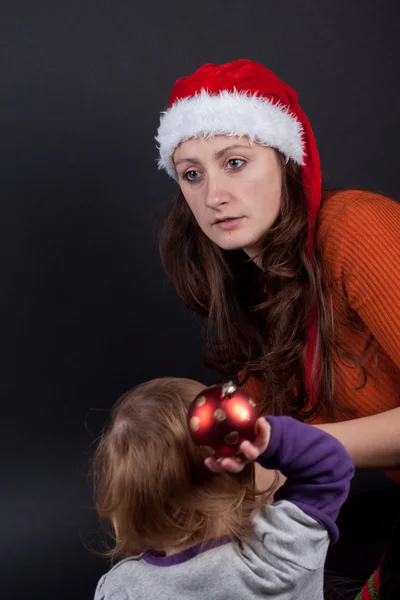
(232, 187)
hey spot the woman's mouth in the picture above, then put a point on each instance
(228, 223)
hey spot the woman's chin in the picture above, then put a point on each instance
(250, 248)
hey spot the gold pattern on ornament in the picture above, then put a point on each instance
(252, 403)
(194, 423)
(232, 438)
(219, 415)
(201, 401)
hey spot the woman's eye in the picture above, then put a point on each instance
(191, 175)
(235, 163)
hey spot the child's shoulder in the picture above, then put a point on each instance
(113, 583)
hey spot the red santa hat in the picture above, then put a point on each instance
(244, 98)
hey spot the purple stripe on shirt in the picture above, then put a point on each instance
(181, 557)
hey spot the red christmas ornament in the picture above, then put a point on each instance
(222, 417)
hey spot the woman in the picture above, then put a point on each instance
(301, 288)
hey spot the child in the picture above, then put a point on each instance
(189, 526)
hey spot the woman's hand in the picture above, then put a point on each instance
(248, 451)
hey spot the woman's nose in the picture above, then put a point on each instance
(217, 192)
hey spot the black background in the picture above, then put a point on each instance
(86, 311)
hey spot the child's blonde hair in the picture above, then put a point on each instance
(151, 484)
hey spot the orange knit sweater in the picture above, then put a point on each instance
(359, 240)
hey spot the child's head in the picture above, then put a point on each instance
(151, 483)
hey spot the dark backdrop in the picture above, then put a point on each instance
(86, 311)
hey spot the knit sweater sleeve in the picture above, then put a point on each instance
(363, 243)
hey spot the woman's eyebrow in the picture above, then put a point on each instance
(217, 154)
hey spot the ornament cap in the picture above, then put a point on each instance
(228, 389)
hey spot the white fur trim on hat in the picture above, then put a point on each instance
(233, 114)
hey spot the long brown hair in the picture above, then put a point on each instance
(152, 489)
(258, 317)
